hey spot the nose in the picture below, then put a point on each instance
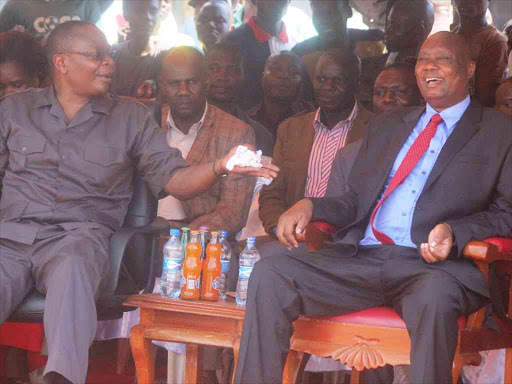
(389, 97)
(183, 89)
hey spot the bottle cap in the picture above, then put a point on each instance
(204, 229)
(194, 232)
(251, 240)
(185, 229)
(214, 233)
(174, 232)
(224, 233)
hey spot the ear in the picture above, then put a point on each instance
(60, 62)
(471, 69)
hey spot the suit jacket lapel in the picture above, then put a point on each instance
(305, 137)
(360, 125)
(462, 133)
(203, 137)
(396, 139)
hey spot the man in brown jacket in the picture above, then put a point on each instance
(307, 144)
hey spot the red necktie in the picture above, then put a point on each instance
(410, 160)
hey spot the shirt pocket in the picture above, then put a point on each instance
(25, 150)
(104, 167)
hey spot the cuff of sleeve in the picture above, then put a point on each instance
(163, 177)
(462, 235)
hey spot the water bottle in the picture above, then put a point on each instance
(225, 257)
(170, 283)
(184, 239)
(248, 258)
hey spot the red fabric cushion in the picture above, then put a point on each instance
(504, 244)
(325, 227)
(27, 336)
(378, 316)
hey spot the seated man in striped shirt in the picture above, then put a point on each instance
(307, 144)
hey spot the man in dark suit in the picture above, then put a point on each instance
(420, 190)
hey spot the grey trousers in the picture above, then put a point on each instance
(66, 266)
(329, 282)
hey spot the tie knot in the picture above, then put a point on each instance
(436, 119)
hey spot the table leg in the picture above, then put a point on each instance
(236, 349)
(194, 364)
(141, 350)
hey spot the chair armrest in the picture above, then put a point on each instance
(317, 233)
(118, 244)
(492, 249)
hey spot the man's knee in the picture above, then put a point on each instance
(438, 295)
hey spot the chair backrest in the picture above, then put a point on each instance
(142, 211)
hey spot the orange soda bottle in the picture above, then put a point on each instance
(212, 270)
(192, 269)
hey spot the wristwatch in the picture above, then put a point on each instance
(215, 171)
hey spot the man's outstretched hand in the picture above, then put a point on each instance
(293, 222)
(440, 241)
(268, 170)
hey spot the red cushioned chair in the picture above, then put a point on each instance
(378, 336)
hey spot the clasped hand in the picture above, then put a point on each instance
(440, 242)
(293, 222)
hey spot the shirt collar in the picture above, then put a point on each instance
(451, 116)
(349, 120)
(172, 125)
(48, 97)
(262, 36)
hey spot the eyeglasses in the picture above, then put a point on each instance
(98, 56)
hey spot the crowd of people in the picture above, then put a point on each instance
(384, 144)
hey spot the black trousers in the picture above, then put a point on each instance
(330, 281)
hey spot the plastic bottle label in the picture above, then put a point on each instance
(225, 266)
(173, 264)
(191, 284)
(245, 272)
(216, 283)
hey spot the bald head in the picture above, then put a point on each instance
(409, 24)
(444, 69)
(182, 83)
(454, 41)
(181, 57)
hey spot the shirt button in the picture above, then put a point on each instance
(413, 191)
(24, 149)
(432, 151)
(404, 214)
(63, 157)
(423, 172)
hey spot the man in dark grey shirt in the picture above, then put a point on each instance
(67, 158)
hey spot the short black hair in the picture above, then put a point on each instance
(399, 65)
(226, 47)
(345, 58)
(24, 50)
(63, 37)
(296, 58)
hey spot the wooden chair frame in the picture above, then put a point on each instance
(365, 347)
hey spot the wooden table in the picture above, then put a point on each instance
(196, 323)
